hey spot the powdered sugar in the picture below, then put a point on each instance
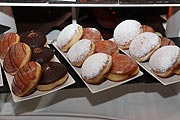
(126, 31)
(66, 35)
(143, 44)
(164, 58)
(79, 50)
(93, 65)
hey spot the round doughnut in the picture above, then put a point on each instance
(165, 41)
(125, 32)
(53, 74)
(123, 67)
(42, 55)
(106, 46)
(92, 34)
(80, 51)
(165, 61)
(96, 67)
(147, 28)
(143, 46)
(6, 41)
(18, 55)
(68, 36)
(26, 79)
(33, 39)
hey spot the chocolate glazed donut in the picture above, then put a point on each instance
(54, 74)
(33, 38)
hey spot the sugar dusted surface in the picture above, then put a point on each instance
(66, 35)
(143, 44)
(126, 31)
(93, 65)
(164, 58)
(79, 50)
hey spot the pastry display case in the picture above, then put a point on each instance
(51, 17)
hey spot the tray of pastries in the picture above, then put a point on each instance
(97, 62)
(31, 67)
(158, 55)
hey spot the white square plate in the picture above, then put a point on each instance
(96, 88)
(37, 93)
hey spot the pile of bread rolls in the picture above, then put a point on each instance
(97, 58)
(27, 58)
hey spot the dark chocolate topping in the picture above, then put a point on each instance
(33, 38)
(52, 72)
(42, 55)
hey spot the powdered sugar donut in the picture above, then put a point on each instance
(165, 61)
(68, 36)
(125, 32)
(142, 47)
(80, 51)
(95, 68)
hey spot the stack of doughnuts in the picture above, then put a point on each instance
(165, 61)
(68, 36)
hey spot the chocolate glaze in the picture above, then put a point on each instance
(33, 38)
(42, 55)
(52, 72)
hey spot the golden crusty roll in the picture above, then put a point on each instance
(26, 79)
(95, 68)
(123, 67)
(18, 55)
(147, 28)
(7, 41)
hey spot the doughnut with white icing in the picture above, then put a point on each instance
(125, 32)
(68, 36)
(143, 46)
(165, 61)
(80, 51)
(96, 67)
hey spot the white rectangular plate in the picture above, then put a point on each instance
(97, 88)
(164, 81)
(37, 93)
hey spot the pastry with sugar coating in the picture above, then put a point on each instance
(125, 32)
(80, 51)
(123, 67)
(95, 68)
(143, 46)
(7, 41)
(165, 61)
(68, 36)
(92, 34)
(26, 79)
(18, 55)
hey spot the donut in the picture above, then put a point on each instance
(165, 61)
(53, 74)
(18, 55)
(106, 46)
(125, 32)
(92, 34)
(143, 46)
(33, 38)
(165, 41)
(26, 79)
(42, 55)
(6, 41)
(96, 67)
(147, 28)
(80, 51)
(68, 36)
(123, 67)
